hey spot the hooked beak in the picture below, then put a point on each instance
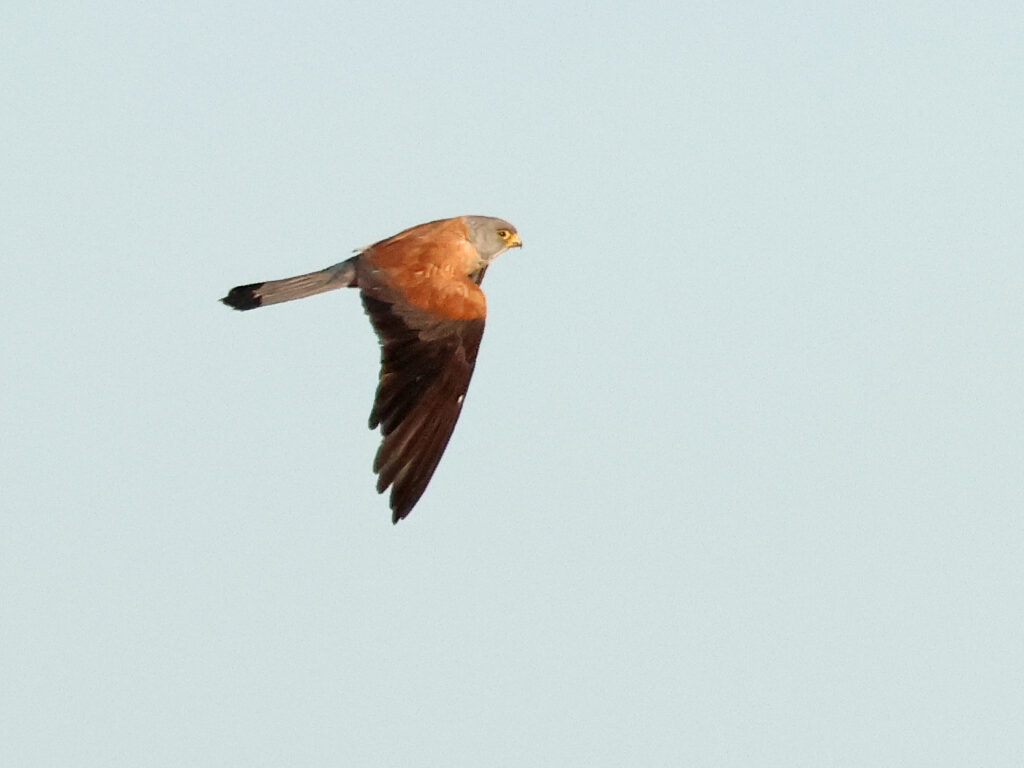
(514, 241)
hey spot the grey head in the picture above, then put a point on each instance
(491, 236)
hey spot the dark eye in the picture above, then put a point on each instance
(503, 234)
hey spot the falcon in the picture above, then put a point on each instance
(421, 291)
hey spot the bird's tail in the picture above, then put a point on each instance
(275, 291)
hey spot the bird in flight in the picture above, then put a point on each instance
(421, 291)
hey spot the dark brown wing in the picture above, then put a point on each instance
(426, 364)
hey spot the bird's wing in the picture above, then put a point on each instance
(426, 365)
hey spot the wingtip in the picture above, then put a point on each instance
(399, 514)
(244, 297)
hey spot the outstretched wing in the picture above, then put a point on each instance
(426, 365)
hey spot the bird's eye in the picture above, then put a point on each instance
(503, 234)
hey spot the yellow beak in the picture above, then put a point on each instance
(514, 241)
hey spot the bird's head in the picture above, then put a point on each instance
(491, 236)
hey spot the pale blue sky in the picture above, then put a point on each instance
(739, 477)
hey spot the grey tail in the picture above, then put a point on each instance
(254, 295)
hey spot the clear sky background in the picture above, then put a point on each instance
(739, 477)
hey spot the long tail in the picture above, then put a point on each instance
(275, 291)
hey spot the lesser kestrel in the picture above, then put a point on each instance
(421, 290)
